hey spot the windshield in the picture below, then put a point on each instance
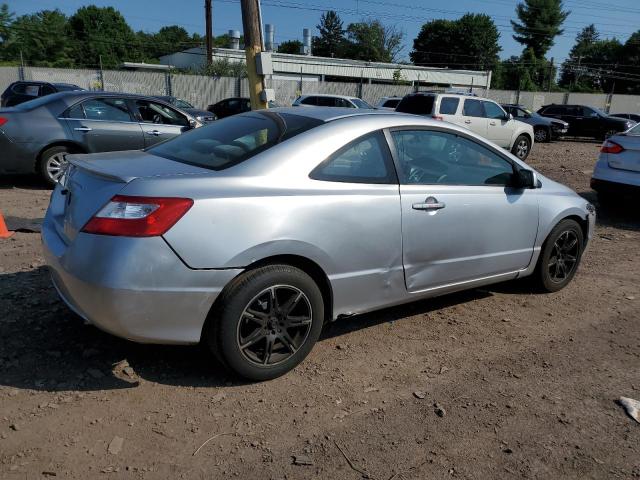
(182, 104)
(599, 112)
(234, 139)
(361, 103)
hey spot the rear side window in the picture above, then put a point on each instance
(473, 108)
(365, 160)
(449, 105)
(109, 109)
(27, 89)
(325, 101)
(234, 139)
(76, 111)
(310, 101)
(417, 104)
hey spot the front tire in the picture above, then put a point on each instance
(560, 256)
(267, 322)
(521, 147)
(52, 164)
(542, 135)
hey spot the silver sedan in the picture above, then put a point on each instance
(251, 233)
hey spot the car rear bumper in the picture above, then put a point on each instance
(614, 180)
(135, 288)
(17, 157)
(604, 186)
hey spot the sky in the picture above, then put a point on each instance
(615, 18)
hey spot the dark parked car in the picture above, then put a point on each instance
(232, 106)
(586, 121)
(35, 136)
(629, 116)
(19, 92)
(544, 129)
(201, 115)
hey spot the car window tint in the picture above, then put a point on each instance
(26, 89)
(76, 111)
(519, 113)
(47, 90)
(555, 110)
(429, 157)
(449, 105)
(492, 110)
(326, 101)
(111, 109)
(309, 101)
(365, 160)
(234, 139)
(417, 104)
(152, 112)
(360, 103)
(393, 103)
(473, 108)
(182, 104)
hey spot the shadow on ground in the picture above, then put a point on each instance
(27, 182)
(47, 347)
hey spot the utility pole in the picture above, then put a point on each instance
(253, 46)
(209, 31)
(550, 74)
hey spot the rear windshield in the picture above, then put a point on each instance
(419, 104)
(234, 139)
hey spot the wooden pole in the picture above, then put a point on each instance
(209, 30)
(252, 46)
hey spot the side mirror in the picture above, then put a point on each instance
(525, 178)
(509, 116)
(192, 123)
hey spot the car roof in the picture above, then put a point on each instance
(346, 97)
(327, 114)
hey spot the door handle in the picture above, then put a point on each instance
(467, 121)
(153, 132)
(82, 129)
(492, 123)
(431, 203)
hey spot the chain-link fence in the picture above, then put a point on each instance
(202, 91)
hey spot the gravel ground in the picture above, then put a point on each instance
(490, 383)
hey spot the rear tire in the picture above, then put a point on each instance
(52, 164)
(560, 256)
(266, 322)
(521, 147)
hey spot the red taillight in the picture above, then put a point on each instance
(611, 147)
(437, 117)
(3, 120)
(128, 216)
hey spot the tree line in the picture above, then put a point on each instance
(100, 35)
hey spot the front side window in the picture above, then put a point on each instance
(473, 108)
(360, 103)
(449, 105)
(309, 101)
(555, 110)
(182, 104)
(520, 113)
(234, 139)
(151, 112)
(110, 109)
(365, 160)
(493, 111)
(427, 157)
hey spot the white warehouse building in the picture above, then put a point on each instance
(309, 68)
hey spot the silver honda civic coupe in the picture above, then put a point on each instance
(251, 233)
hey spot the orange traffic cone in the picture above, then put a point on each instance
(4, 233)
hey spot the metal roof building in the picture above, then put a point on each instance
(309, 68)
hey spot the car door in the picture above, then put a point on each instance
(473, 117)
(591, 122)
(499, 128)
(103, 125)
(461, 221)
(573, 116)
(158, 121)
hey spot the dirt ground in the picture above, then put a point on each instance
(490, 383)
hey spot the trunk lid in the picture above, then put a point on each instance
(629, 159)
(92, 180)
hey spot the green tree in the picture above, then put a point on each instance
(372, 41)
(540, 22)
(42, 39)
(102, 32)
(290, 46)
(6, 19)
(630, 64)
(471, 42)
(171, 39)
(331, 42)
